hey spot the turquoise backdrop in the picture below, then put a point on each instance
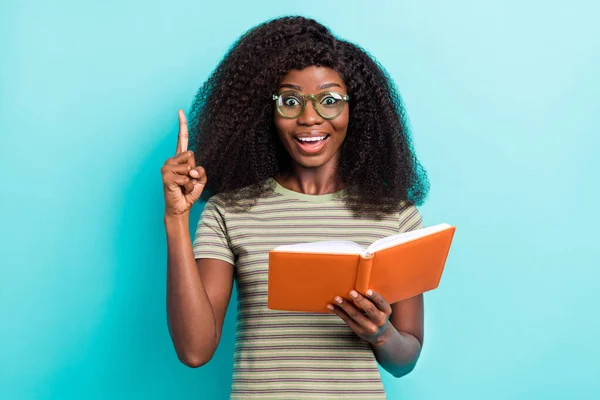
(503, 101)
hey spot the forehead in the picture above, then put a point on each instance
(310, 78)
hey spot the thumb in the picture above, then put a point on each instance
(199, 183)
(199, 175)
(194, 195)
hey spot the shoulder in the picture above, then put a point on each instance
(409, 217)
(214, 209)
(240, 201)
(214, 204)
(216, 201)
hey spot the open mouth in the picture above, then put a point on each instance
(311, 139)
(311, 144)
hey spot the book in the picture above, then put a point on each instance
(307, 276)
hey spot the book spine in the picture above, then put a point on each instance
(363, 273)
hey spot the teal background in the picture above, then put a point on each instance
(503, 100)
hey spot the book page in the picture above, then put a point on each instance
(404, 237)
(328, 247)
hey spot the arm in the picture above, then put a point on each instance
(399, 346)
(198, 293)
(394, 332)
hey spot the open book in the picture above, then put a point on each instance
(307, 276)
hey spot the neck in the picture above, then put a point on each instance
(313, 181)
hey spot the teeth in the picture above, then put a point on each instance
(311, 139)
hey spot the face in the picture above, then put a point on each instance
(311, 140)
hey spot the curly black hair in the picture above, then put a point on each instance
(232, 119)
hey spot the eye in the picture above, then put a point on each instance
(330, 100)
(291, 102)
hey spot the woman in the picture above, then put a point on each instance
(300, 137)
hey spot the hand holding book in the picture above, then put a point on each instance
(367, 315)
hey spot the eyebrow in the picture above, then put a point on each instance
(289, 85)
(322, 86)
(328, 85)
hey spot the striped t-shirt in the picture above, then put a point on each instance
(292, 355)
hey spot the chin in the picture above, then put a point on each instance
(312, 162)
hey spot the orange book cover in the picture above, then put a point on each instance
(307, 276)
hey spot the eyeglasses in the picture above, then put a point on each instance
(291, 104)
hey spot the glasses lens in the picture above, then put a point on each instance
(330, 104)
(290, 104)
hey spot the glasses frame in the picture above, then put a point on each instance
(344, 97)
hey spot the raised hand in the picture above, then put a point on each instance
(368, 317)
(183, 182)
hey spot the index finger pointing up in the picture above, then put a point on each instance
(182, 139)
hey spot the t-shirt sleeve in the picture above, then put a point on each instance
(410, 219)
(212, 239)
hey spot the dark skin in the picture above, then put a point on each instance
(312, 173)
(198, 291)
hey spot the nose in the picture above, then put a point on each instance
(310, 115)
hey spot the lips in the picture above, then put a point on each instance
(311, 139)
(311, 144)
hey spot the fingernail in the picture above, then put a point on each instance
(194, 172)
(339, 300)
(353, 293)
(369, 292)
(330, 307)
